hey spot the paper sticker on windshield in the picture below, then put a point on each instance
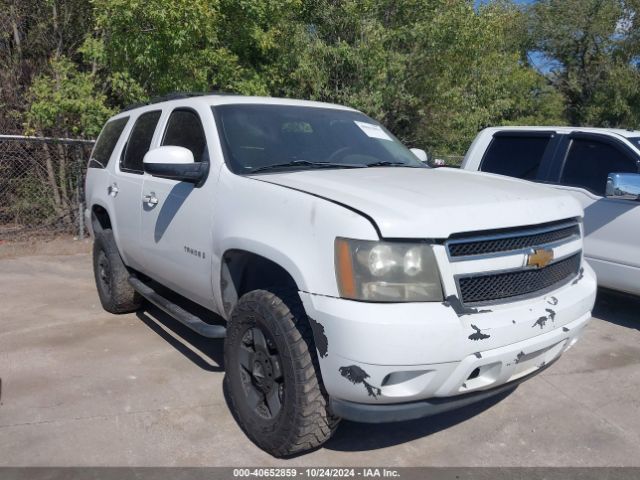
(373, 131)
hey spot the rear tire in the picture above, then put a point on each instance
(112, 277)
(272, 374)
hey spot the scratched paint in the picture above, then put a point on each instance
(478, 335)
(322, 344)
(541, 322)
(357, 375)
(455, 303)
(580, 276)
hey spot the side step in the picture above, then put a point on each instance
(180, 314)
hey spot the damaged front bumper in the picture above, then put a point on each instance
(402, 412)
(422, 358)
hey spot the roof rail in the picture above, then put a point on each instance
(174, 96)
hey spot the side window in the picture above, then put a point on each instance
(184, 129)
(589, 162)
(107, 142)
(515, 156)
(139, 141)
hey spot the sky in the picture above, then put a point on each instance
(538, 60)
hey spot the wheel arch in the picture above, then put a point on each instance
(100, 218)
(243, 270)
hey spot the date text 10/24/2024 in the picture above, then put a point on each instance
(319, 472)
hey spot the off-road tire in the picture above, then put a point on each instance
(112, 277)
(304, 421)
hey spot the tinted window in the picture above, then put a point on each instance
(107, 142)
(515, 156)
(635, 141)
(589, 162)
(139, 141)
(297, 137)
(184, 129)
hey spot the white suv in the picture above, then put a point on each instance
(599, 167)
(349, 279)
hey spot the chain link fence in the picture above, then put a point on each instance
(41, 186)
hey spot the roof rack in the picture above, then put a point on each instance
(174, 96)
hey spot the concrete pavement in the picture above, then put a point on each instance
(83, 387)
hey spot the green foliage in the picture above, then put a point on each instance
(66, 101)
(434, 71)
(594, 44)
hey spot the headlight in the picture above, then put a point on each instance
(387, 271)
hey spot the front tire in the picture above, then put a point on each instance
(112, 277)
(272, 374)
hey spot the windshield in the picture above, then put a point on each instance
(271, 138)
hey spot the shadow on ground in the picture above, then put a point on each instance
(356, 437)
(618, 308)
(206, 353)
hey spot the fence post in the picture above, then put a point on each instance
(80, 215)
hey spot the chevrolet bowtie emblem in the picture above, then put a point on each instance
(540, 257)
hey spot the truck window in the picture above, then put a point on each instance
(107, 142)
(184, 129)
(589, 162)
(139, 141)
(515, 156)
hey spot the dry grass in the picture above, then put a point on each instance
(61, 245)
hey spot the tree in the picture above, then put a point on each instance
(592, 46)
(64, 102)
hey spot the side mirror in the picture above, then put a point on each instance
(174, 163)
(420, 154)
(624, 186)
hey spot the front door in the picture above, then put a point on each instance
(177, 218)
(611, 244)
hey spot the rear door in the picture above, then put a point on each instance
(125, 189)
(177, 230)
(519, 154)
(611, 225)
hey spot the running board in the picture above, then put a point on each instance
(180, 314)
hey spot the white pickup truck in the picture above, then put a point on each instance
(349, 279)
(600, 167)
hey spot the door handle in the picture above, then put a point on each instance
(112, 190)
(150, 199)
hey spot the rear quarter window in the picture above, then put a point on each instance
(107, 142)
(515, 155)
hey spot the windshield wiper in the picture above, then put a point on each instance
(387, 164)
(306, 163)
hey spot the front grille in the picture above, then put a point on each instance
(518, 240)
(475, 289)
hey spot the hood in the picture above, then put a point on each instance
(433, 203)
